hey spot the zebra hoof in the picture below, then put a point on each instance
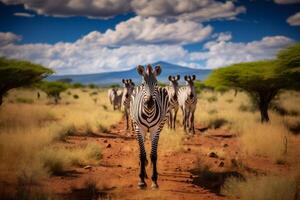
(154, 186)
(142, 185)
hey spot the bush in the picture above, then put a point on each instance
(93, 93)
(217, 123)
(75, 96)
(53, 89)
(55, 162)
(92, 86)
(213, 111)
(229, 100)
(24, 100)
(77, 85)
(261, 188)
(212, 99)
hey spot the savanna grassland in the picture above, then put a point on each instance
(79, 149)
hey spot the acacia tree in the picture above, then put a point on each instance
(53, 89)
(262, 79)
(18, 73)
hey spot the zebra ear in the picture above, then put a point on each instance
(123, 80)
(177, 77)
(140, 69)
(170, 78)
(186, 78)
(157, 70)
(129, 80)
(132, 83)
(193, 77)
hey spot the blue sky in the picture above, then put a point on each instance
(74, 38)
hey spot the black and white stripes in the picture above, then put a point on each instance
(149, 107)
(187, 98)
(127, 91)
(173, 100)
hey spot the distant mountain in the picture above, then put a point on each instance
(108, 78)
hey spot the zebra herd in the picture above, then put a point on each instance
(148, 106)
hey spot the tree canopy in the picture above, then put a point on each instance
(261, 79)
(17, 73)
(53, 89)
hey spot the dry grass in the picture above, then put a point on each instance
(27, 132)
(261, 188)
(170, 140)
(238, 116)
(58, 160)
(266, 140)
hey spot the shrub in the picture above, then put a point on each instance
(261, 188)
(212, 99)
(24, 100)
(213, 111)
(217, 122)
(77, 85)
(75, 96)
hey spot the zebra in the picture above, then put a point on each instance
(173, 100)
(127, 91)
(149, 107)
(116, 98)
(187, 99)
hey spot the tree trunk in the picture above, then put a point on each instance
(263, 107)
(264, 99)
(235, 92)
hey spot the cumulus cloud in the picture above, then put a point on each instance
(8, 38)
(223, 52)
(286, 1)
(203, 10)
(140, 30)
(21, 14)
(294, 20)
(85, 56)
(90, 8)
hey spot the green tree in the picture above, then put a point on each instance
(262, 79)
(53, 89)
(17, 73)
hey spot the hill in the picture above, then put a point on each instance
(108, 78)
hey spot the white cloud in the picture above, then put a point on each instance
(204, 10)
(221, 52)
(90, 8)
(8, 38)
(286, 1)
(22, 14)
(140, 30)
(81, 57)
(294, 20)
(199, 10)
(90, 57)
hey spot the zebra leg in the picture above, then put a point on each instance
(183, 116)
(153, 156)
(127, 122)
(188, 121)
(143, 160)
(193, 122)
(174, 118)
(170, 119)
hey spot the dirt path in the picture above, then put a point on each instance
(117, 175)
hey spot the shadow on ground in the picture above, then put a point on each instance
(213, 181)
